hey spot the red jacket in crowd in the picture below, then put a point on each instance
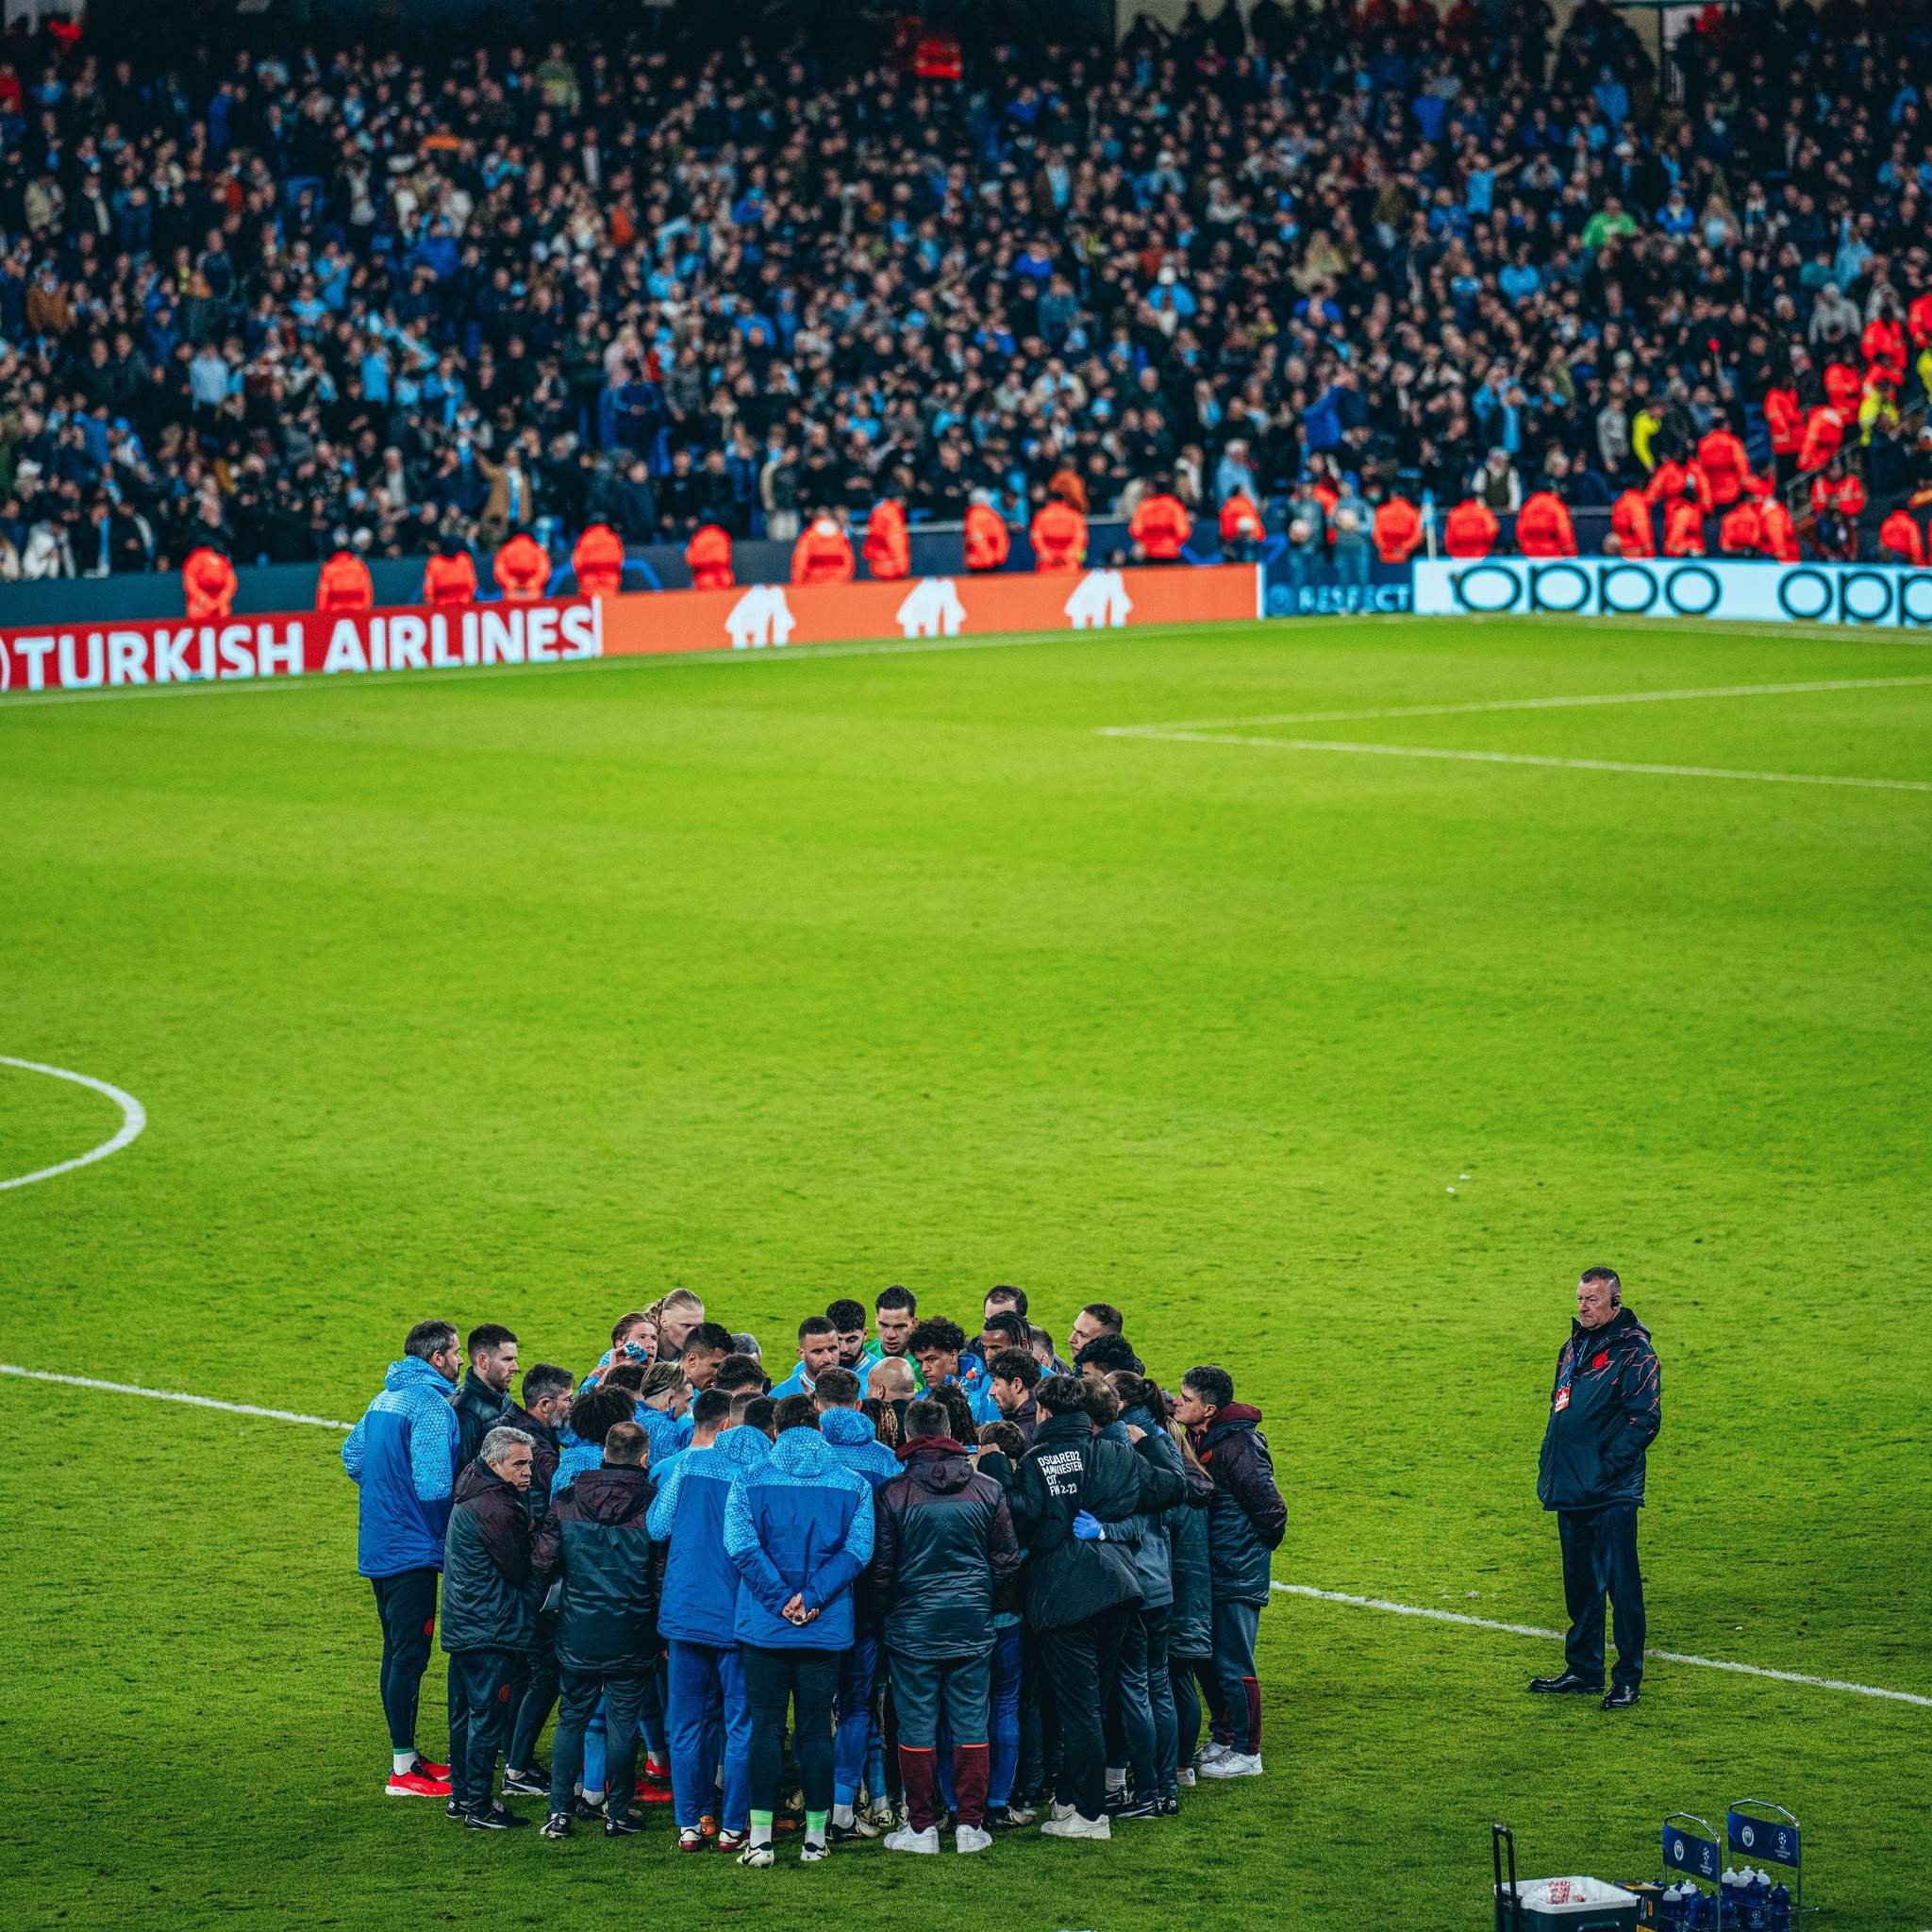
(1780, 532)
(208, 579)
(1241, 521)
(1742, 532)
(1160, 525)
(1667, 483)
(1725, 467)
(1630, 520)
(1683, 527)
(598, 561)
(1883, 345)
(888, 547)
(709, 554)
(1469, 529)
(522, 570)
(823, 553)
(1824, 435)
(449, 578)
(1543, 526)
(1785, 419)
(1901, 538)
(1059, 536)
(1846, 494)
(344, 584)
(1844, 387)
(1398, 529)
(988, 542)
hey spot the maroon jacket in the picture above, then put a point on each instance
(943, 1544)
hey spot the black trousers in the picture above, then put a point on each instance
(535, 1693)
(1599, 1561)
(1080, 1660)
(625, 1700)
(808, 1681)
(406, 1605)
(479, 1713)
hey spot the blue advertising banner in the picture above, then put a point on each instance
(1292, 587)
(1776, 1838)
(1684, 1851)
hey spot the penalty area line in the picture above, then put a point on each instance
(1673, 1656)
(133, 1119)
(1302, 1589)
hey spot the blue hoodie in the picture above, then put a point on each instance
(572, 1459)
(800, 1522)
(854, 1443)
(698, 1602)
(403, 1456)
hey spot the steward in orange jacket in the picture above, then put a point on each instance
(598, 561)
(1882, 346)
(1398, 529)
(523, 569)
(1241, 527)
(1160, 526)
(823, 553)
(1842, 493)
(988, 543)
(1901, 541)
(1543, 526)
(1059, 535)
(208, 579)
(1630, 520)
(1670, 479)
(1725, 467)
(1844, 387)
(1684, 527)
(888, 548)
(709, 554)
(1742, 532)
(449, 578)
(1469, 529)
(1786, 422)
(344, 584)
(1824, 435)
(1780, 532)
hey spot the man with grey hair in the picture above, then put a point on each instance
(495, 1560)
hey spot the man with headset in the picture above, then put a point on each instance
(1605, 1409)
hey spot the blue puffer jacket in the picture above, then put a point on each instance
(403, 1453)
(800, 1524)
(572, 1459)
(698, 1600)
(668, 1433)
(853, 1441)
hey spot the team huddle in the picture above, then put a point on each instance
(979, 1580)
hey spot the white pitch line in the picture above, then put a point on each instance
(1673, 1656)
(133, 1119)
(1554, 704)
(1307, 1590)
(1523, 757)
(280, 1415)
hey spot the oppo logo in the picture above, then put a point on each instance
(1614, 587)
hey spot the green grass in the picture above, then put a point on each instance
(527, 997)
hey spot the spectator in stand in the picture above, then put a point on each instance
(1838, 501)
(708, 556)
(1350, 529)
(823, 553)
(344, 584)
(888, 546)
(597, 562)
(522, 569)
(1543, 526)
(1469, 530)
(1059, 536)
(1242, 529)
(988, 542)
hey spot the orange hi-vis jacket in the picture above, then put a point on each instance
(1398, 529)
(1900, 537)
(208, 579)
(1543, 527)
(1630, 520)
(988, 543)
(1059, 535)
(449, 580)
(344, 584)
(522, 570)
(1160, 525)
(1742, 531)
(1667, 483)
(598, 561)
(1780, 532)
(823, 553)
(1726, 468)
(1469, 529)
(1241, 521)
(888, 548)
(1683, 529)
(709, 554)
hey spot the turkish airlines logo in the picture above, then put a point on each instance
(932, 610)
(760, 618)
(1100, 601)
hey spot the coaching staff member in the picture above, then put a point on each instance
(1604, 1412)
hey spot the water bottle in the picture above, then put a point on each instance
(1676, 1907)
(1703, 1910)
(1758, 1903)
(1780, 1907)
(1667, 1917)
(1728, 1897)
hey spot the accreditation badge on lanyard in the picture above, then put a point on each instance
(1562, 1401)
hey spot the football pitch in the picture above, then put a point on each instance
(1327, 995)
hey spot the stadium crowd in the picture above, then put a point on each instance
(983, 1581)
(1318, 263)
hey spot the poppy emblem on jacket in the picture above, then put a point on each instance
(1601, 1359)
(430, 1627)
(503, 1693)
